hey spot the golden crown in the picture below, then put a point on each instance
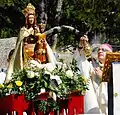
(30, 9)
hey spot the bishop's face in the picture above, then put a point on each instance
(31, 19)
(102, 52)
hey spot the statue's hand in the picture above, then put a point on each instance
(26, 32)
(34, 63)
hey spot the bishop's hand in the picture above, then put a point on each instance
(85, 45)
(83, 41)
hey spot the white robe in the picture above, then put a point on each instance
(2, 77)
(90, 104)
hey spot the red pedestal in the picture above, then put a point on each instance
(76, 105)
(73, 105)
(43, 96)
(16, 103)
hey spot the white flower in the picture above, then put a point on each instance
(49, 67)
(32, 63)
(42, 90)
(64, 65)
(47, 72)
(69, 73)
(36, 73)
(30, 74)
(57, 78)
(20, 88)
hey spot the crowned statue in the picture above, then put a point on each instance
(31, 45)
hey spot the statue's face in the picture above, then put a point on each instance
(31, 19)
(42, 30)
(42, 27)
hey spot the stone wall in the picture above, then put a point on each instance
(5, 46)
(9, 43)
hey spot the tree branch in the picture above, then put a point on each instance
(59, 29)
(56, 23)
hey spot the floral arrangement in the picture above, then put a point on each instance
(71, 80)
(62, 81)
(28, 81)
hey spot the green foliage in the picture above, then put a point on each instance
(11, 17)
(66, 38)
(46, 105)
(72, 80)
(93, 16)
(7, 32)
(97, 15)
(30, 80)
(9, 2)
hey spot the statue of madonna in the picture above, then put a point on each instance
(31, 45)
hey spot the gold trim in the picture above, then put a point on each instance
(41, 36)
(110, 57)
